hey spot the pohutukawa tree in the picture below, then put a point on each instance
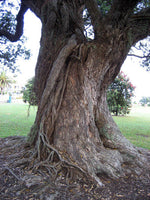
(73, 126)
(119, 95)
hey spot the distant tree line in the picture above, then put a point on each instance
(145, 101)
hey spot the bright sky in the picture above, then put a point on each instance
(139, 77)
(32, 30)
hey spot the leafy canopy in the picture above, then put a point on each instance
(139, 50)
(10, 52)
(4, 81)
(9, 23)
(119, 95)
(145, 101)
(29, 95)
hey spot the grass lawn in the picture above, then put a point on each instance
(135, 127)
(14, 119)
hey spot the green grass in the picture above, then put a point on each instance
(136, 126)
(14, 119)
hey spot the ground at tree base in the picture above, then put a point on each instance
(22, 184)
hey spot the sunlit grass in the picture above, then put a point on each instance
(14, 119)
(136, 126)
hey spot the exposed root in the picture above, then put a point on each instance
(19, 179)
(39, 184)
(54, 163)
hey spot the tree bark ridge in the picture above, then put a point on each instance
(72, 74)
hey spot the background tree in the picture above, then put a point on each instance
(145, 100)
(29, 95)
(5, 81)
(73, 128)
(142, 51)
(9, 53)
(119, 95)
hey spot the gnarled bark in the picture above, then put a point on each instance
(73, 119)
(73, 127)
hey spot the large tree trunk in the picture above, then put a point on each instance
(73, 119)
(72, 75)
(73, 127)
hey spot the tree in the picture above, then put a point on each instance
(119, 95)
(145, 100)
(73, 128)
(9, 53)
(4, 81)
(29, 94)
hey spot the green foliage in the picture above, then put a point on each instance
(142, 4)
(4, 81)
(104, 5)
(10, 52)
(145, 101)
(29, 94)
(142, 51)
(119, 95)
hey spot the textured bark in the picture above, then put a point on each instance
(73, 115)
(72, 76)
(73, 124)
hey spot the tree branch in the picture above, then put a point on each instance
(138, 56)
(142, 15)
(34, 6)
(19, 27)
(139, 25)
(121, 10)
(94, 13)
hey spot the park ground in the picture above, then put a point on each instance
(17, 183)
(16, 119)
